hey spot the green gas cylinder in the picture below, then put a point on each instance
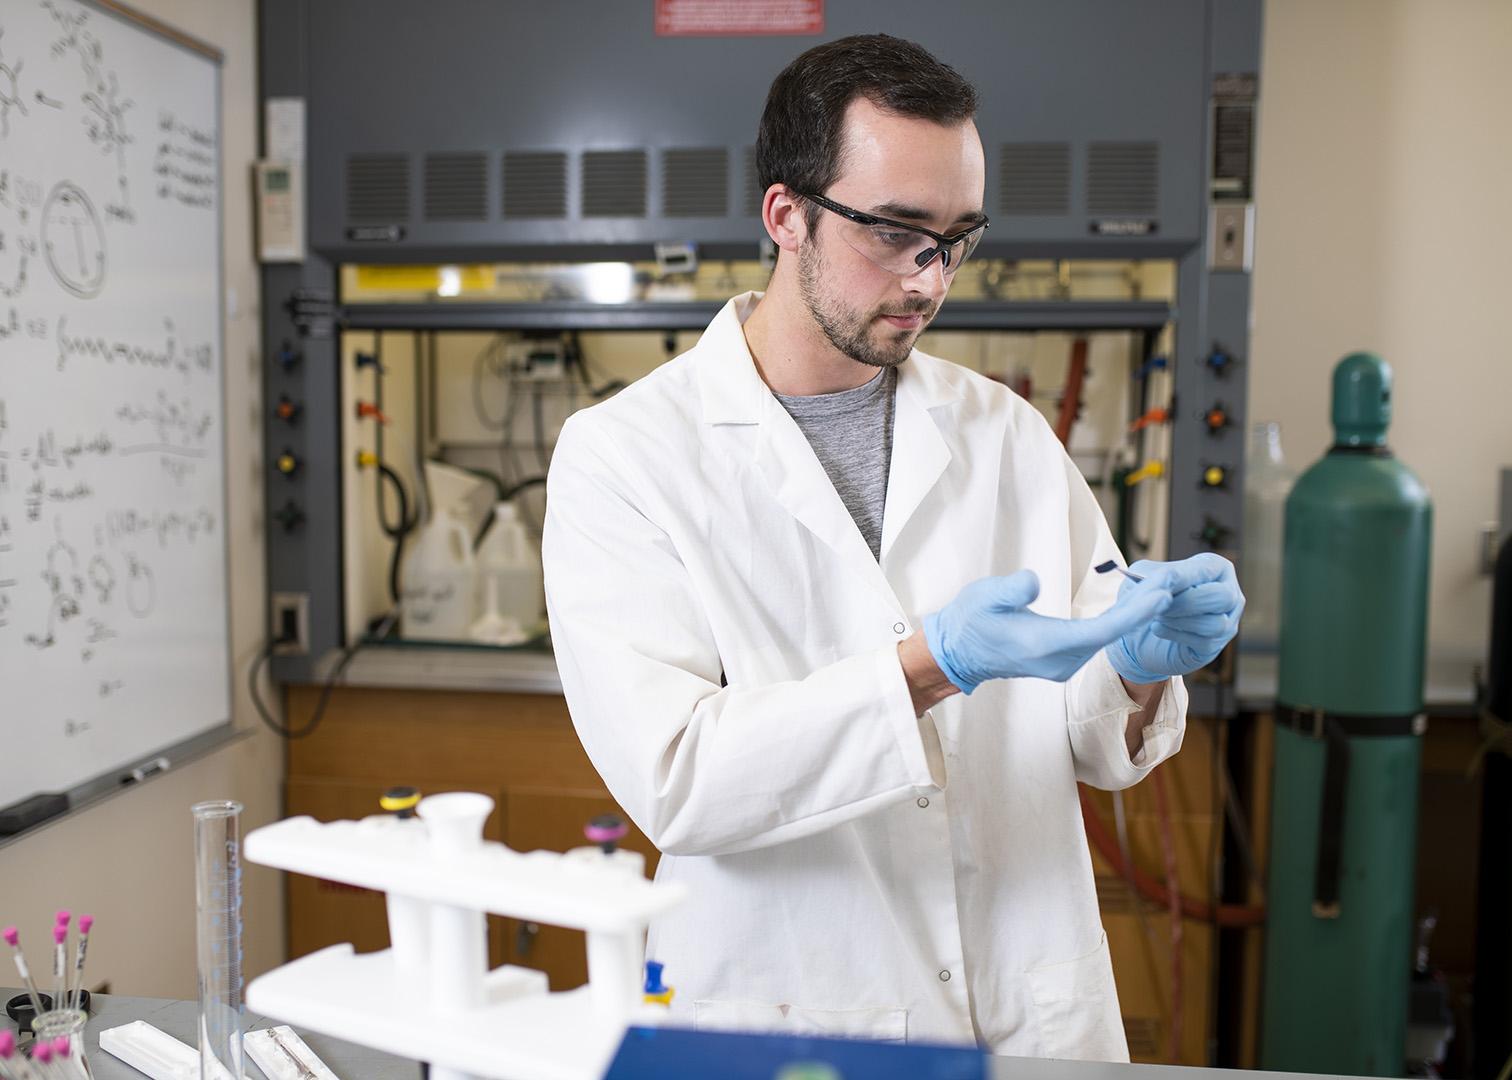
(1354, 613)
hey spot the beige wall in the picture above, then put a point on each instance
(129, 860)
(1384, 155)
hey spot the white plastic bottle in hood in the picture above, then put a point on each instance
(511, 591)
(439, 582)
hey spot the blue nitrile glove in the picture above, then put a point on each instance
(988, 631)
(1203, 617)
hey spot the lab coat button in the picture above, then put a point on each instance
(944, 976)
(923, 803)
(898, 628)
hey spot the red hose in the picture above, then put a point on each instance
(1229, 915)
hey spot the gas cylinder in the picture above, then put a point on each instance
(1354, 613)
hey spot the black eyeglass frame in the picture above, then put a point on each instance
(943, 243)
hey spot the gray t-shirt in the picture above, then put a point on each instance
(851, 433)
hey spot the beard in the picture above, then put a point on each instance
(849, 330)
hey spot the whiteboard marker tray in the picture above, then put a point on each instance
(521, 1031)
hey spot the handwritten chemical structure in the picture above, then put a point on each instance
(11, 96)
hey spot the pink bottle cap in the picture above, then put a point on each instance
(42, 1052)
(60, 1046)
(60, 933)
(7, 1044)
(64, 917)
(11, 936)
(85, 922)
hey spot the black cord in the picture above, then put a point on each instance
(399, 535)
(485, 359)
(284, 730)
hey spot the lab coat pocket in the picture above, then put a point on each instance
(1075, 1008)
(882, 1025)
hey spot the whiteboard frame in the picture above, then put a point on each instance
(104, 785)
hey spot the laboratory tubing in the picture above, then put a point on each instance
(217, 893)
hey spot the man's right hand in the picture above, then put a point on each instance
(988, 631)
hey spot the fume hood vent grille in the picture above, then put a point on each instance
(696, 183)
(1034, 178)
(614, 183)
(535, 184)
(752, 193)
(456, 187)
(1122, 178)
(377, 188)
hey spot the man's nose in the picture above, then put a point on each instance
(930, 281)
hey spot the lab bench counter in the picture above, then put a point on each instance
(181, 1018)
(351, 1062)
(423, 666)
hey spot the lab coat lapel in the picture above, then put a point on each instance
(798, 481)
(919, 452)
(733, 393)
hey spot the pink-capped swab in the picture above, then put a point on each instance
(63, 1051)
(42, 1055)
(60, 961)
(13, 939)
(14, 1060)
(86, 923)
(7, 1048)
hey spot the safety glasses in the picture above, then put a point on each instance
(898, 247)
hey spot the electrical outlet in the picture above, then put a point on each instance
(290, 623)
(1231, 236)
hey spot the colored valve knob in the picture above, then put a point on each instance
(1150, 470)
(606, 830)
(287, 357)
(287, 409)
(1154, 416)
(1214, 476)
(1220, 361)
(368, 360)
(1213, 533)
(287, 463)
(366, 410)
(290, 516)
(1216, 418)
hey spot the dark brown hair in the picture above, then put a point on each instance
(799, 142)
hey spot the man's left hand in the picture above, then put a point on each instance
(1202, 619)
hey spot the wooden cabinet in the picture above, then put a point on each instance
(519, 749)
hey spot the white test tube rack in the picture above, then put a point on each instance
(430, 996)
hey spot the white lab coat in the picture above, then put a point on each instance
(728, 650)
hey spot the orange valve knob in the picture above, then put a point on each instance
(287, 409)
(366, 410)
(1216, 419)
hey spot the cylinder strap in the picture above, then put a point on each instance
(1313, 722)
(1336, 730)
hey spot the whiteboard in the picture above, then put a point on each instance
(114, 640)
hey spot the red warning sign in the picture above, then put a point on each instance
(721, 18)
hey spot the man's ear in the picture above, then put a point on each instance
(782, 215)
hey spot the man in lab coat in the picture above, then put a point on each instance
(789, 577)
